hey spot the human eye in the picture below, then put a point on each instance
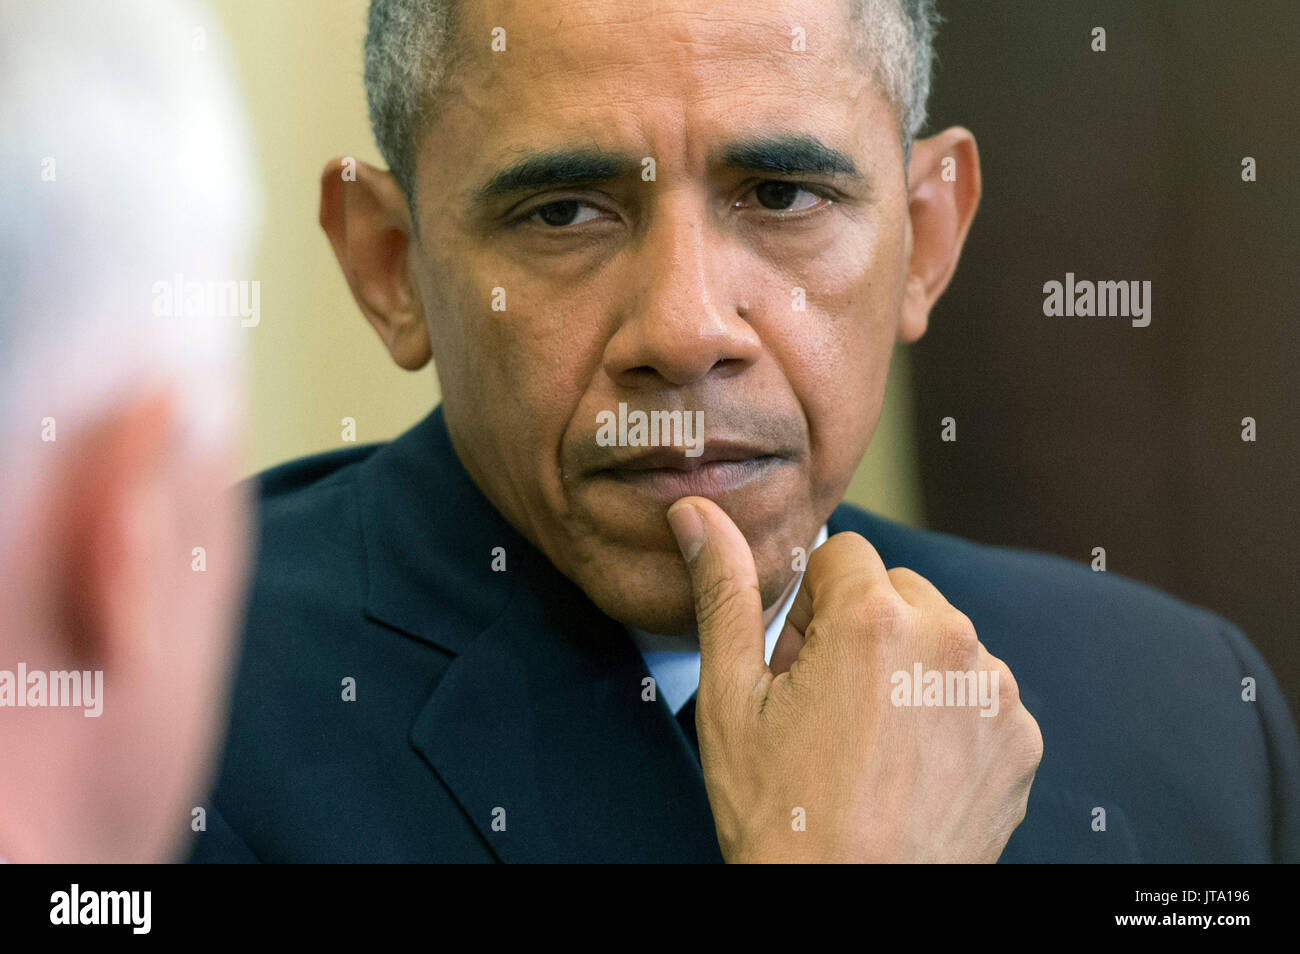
(780, 195)
(560, 214)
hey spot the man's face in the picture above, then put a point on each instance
(767, 299)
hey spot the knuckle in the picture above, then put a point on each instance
(823, 556)
(844, 550)
(1008, 688)
(1022, 807)
(960, 629)
(1027, 745)
(719, 602)
(1035, 738)
(840, 544)
(899, 574)
(958, 640)
(878, 612)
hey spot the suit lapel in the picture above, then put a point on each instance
(537, 726)
(540, 730)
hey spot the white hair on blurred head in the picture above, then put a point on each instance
(124, 161)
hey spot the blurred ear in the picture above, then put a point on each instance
(943, 193)
(110, 505)
(364, 213)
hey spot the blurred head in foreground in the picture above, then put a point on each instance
(124, 179)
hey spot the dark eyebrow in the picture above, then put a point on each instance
(780, 155)
(788, 156)
(547, 170)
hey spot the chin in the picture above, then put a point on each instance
(662, 602)
(655, 602)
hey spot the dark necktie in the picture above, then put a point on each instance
(686, 719)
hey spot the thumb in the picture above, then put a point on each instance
(728, 603)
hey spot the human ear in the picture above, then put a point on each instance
(943, 193)
(364, 213)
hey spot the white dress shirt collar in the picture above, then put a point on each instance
(674, 661)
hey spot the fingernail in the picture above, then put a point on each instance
(688, 528)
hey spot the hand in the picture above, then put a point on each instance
(823, 736)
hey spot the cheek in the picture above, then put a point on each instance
(514, 356)
(840, 347)
(849, 279)
(854, 323)
(538, 356)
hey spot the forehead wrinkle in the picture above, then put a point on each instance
(629, 112)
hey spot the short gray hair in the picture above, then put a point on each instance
(409, 55)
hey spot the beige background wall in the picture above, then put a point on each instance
(314, 360)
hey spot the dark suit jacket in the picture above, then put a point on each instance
(485, 696)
